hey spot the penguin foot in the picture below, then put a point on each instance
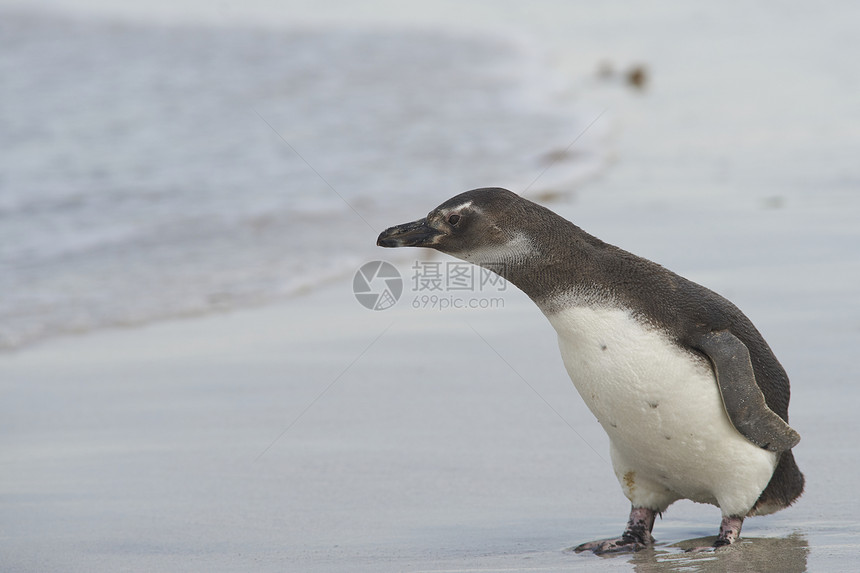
(636, 536)
(607, 546)
(730, 531)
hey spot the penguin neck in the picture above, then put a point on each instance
(554, 266)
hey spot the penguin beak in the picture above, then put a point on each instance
(415, 234)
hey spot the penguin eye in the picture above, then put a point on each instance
(454, 219)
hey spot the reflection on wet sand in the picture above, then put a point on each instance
(786, 554)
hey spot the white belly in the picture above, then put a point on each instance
(670, 435)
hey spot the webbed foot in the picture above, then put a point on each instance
(619, 545)
(636, 536)
(730, 531)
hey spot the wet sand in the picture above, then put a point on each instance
(320, 436)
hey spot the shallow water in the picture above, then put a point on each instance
(154, 170)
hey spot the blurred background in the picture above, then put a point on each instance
(173, 158)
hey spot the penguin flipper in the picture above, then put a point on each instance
(742, 398)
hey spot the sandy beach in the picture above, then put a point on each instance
(312, 434)
(319, 436)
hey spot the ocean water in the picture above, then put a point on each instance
(153, 170)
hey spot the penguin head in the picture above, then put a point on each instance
(482, 226)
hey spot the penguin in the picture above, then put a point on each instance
(693, 400)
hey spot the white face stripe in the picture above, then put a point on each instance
(460, 207)
(518, 247)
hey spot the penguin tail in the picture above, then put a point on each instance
(784, 487)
